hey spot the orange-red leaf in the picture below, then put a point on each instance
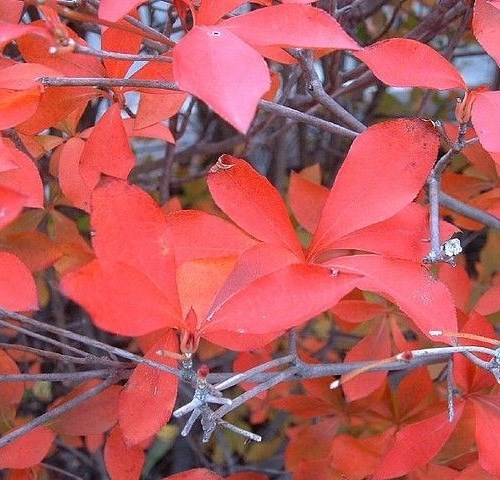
(307, 200)
(17, 106)
(148, 398)
(107, 147)
(485, 115)
(300, 26)
(404, 235)
(402, 62)
(11, 393)
(77, 179)
(250, 200)
(230, 91)
(490, 302)
(416, 444)
(95, 415)
(130, 227)
(27, 450)
(123, 462)
(407, 284)
(11, 205)
(281, 300)
(119, 298)
(112, 11)
(10, 10)
(487, 409)
(384, 170)
(25, 179)
(485, 27)
(198, 234)
(374, 346)
(17, 287)
(36, 250)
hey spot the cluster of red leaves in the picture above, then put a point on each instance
(243, 282)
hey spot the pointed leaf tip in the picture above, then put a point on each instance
(402, 62)
(234, 77)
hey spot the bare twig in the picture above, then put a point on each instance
(55, 412)
(315, 88)
(106, 82)
(288, 112)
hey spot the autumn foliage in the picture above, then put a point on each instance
(278, 219)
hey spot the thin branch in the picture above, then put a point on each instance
(55, 412)
(315, 88)
(141, 57)
(288, 112)
(42, 338)
(89, 360)
(106, 83)
(90, 342)
(54, 377)
(469, 211)
(248, 374)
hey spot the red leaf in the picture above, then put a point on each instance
(299, 26)
(197, 234)
(405, 235)
(367, 452)
(11, 205)
(10, 31)
(467, 376)
(211, 11)
(416, 444)
(95, 415)
(230, 90)
(485, 115)
(490, 301)
(148, 398)
(11, 393)
(154, 108)
(107, 147)
(195, 474)
(25, 179)
(487, 409)
(250, 200)
(270, 307)
(407, 284)
(159, 131)
(262, 259)
(374, 346)
(485, 27)
(123, 462)
(120, 209)
(384, 170)
(17, 287)
(113, 10)
(36, 49)
(56, 105)
(27, 450)
(22, 76)
(413, 390)
(118, 40)
(357, 311)
(17, 106)
(10, 10)
(198, 282)
(120, 298)
(35, 249)
(307, 200)
(77, 179)
(402, 62)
